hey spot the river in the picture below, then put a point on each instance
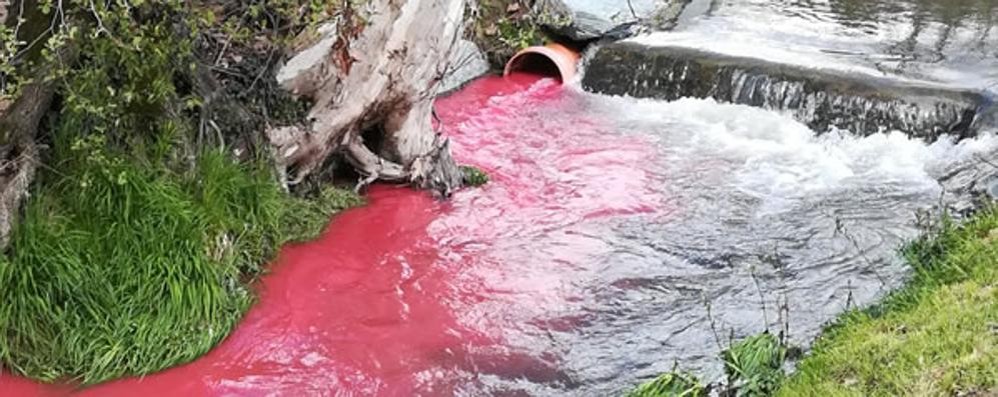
(619, 238)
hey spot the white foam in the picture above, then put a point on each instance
(773, 156)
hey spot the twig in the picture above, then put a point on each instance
(840, 228)
(100, 22)
(986, 161)
(762, 298)
(263, 71)
(713, 324)
(20, 19)
(849, 297)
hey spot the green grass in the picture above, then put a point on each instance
(937, 336)
(141, 235)
(755, 365)
(474, 176)
(671, 384)
(122, 266)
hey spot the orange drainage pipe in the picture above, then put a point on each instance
(554, 60)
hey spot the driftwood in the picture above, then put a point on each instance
(373, 84)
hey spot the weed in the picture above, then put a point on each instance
(755, 365)
(672, 384)
(474, 176)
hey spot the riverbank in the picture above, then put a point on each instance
(156, 205)
(125, 266)
(937, 336)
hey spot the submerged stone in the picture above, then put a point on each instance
(987, 118)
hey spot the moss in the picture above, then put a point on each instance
(934, 337)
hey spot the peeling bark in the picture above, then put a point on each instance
(378, 76)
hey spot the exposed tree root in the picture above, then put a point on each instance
(377, 77)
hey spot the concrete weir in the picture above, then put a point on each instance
(819, 98)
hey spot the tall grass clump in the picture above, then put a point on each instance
(754, 368)
(122, 267)
(755, 365)
(671, 384)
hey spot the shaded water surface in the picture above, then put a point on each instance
(950, 42)
(590, 260)
(924, 67)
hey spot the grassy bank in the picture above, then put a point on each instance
(937, 336)
(123, 266)
(143, 230)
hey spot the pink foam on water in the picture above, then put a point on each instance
(411, 295)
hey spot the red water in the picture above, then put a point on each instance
(414, 296)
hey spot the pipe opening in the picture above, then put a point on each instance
(535, 63)
(552, 60)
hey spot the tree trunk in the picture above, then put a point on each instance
(4, 5)
(19, 121)
(18, 153)
(373, 77)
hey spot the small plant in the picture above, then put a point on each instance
(474, 176)
(755, 366)
(503, 27)
(519, 33)
(672, 384)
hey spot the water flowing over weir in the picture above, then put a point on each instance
(819, 99)
(924, 67)
(589, 262)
